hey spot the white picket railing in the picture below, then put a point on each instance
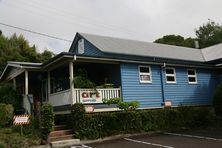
(96, 96)
(85, 96)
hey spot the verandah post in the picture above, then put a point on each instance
(71, 77)
(49, 86)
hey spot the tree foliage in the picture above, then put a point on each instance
(17, 48)
(176, 40)
(207, 35)
(6, 114)
(81, 79)
(9, 95)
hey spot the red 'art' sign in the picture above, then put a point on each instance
(89, 97)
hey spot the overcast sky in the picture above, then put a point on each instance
(144, 20)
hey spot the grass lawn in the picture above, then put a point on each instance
(11, 138)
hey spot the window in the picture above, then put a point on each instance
(145, 74)
(192, 76)
(170, 75)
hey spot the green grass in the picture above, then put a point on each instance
(11, 138)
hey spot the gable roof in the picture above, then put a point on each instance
(19, 65)
(140, 48)
(213, 52)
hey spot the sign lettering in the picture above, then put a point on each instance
(90, 97)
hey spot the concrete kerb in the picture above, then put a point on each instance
(81, 142)
(115, 137)
(42, 146)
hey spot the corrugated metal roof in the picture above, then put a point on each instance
(139, 48)
(212, 52)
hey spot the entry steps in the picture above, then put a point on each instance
(60, 133)
(61, 137)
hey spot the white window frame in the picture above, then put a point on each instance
(171, 75)
(145, 73)
(192, 76)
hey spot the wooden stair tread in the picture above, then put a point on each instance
(64, 137)
(60, 127)
(60, 133)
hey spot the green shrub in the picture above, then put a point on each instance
(112, 101)
(153, 119)
(128, 106)
(203, 117)
(217, 100)
(78, 117)
(130, 121)
(8, 95)
(81, 79)
(16, 141)
(47, 120)
(12, 139)
(2, 145)
(98, 125)
(6, 114)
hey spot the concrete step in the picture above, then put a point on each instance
(60, 133)
(60, 127)
(64, 137)
(65, 143)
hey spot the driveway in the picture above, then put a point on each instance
(189, 139)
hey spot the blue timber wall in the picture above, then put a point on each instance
(181, 93)
(148, 94)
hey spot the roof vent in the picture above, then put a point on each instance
(196, 43)
(81, 48)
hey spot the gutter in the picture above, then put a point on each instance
(162, 81)
(153, 62)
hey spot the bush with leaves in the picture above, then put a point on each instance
(12, 139)
(6, 114)
(9, 95)
(112, 101)
(217, 100)
(81, 79)
(78, 117)
(47, 120)
(128, 106)
(98, 125)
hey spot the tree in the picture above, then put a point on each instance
(46, 55)
(17, 48)
(176, 40)
(9, 95)
(209, 34)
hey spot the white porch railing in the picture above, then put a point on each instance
(85, 96)
(60, 98)
(95, 96)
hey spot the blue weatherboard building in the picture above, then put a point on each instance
(156, 75)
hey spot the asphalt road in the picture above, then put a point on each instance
(190, 139)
